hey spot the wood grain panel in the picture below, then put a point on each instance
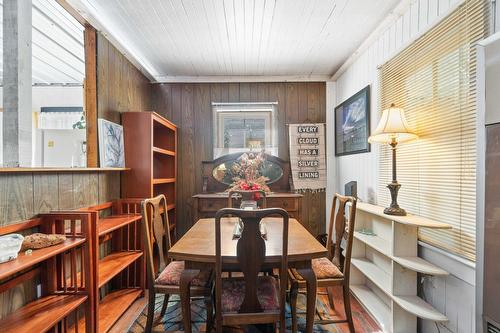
(91, 94)
(121, 86)
(85, 189)
(65, 191)
(16, 197)
(189, 107)
(45, 187)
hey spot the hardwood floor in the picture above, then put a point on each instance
(363, 322)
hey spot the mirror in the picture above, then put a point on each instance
(226, 171)
(52, 130)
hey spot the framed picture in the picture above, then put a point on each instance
(111, 148)
(352, 124)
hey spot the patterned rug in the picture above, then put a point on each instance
(172, 321)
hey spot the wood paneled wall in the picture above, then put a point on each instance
(189, 107)
(121, 86)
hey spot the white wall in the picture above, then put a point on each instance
(453, 295)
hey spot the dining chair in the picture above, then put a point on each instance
(254, 195)
(331, 271)
(253, 298)
(167, 281)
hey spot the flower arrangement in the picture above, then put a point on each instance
(247, 174)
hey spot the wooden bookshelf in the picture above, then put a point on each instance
(60, 300)
(385, 266)
(119, 234)
(151, 155)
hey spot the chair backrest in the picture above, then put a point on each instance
(251, 253)
(155, 228)
(343, 227)
(255, 195)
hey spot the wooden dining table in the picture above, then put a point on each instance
(197, 249)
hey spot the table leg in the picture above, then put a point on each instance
(311, 285)
(187, 276)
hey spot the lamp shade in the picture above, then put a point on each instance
(392, 125)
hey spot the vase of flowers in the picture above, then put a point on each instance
(247, 174)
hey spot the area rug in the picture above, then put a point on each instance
(172, 321)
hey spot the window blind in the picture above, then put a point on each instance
(434, 81)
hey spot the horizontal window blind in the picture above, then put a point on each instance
(434, 81)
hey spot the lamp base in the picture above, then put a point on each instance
(394, 208)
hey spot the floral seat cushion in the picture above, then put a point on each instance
(171, 275)
(233, 292)
(323, 268)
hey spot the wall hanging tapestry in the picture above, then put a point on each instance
(307, 156)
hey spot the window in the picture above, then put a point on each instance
(434, 80)
(240, 127)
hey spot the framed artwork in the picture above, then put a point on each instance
(111, 148)
(352, 124)
(244, 127)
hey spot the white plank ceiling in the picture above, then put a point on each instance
(190, 40)
(57, 45)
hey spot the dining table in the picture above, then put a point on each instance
(197, 248)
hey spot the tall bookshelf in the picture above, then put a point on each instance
(151, 154)
(385, 265)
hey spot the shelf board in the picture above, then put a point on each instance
(164, 151)
(171, 206)
(167, 123)
(378, 243)
(374, 305)
(60, 170)
(412, 304)
(163, 180)
(419, 308)
(380, 278)
(412, 220)
(420, 265)
(111, 223)
(113, 264)
(114, 305)
(25, 261)
(42, 314)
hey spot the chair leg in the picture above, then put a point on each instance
(164, 306)
(330, 297)
(210, 314)
(151, 311)
(347, 307)
(294, 291)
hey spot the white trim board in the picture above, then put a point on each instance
(242, 78)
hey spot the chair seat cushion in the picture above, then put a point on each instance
(171, 275)
(233, 292)
(323, 268)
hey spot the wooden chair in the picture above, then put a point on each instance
(331, 271)
(155, 216)
(252, 299)
(247, 195)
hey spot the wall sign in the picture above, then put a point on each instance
(307, 156)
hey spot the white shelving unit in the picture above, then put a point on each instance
(385, 266)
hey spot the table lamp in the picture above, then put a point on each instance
(393, 129)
